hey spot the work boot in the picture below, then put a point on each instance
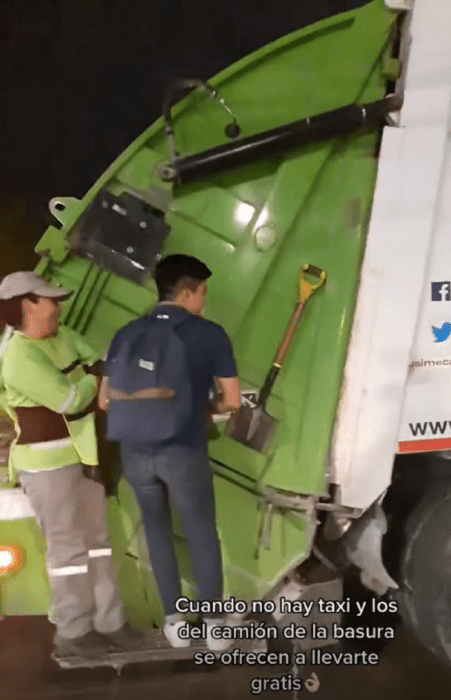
(90, 646)
(127, 638)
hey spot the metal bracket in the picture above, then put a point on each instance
(270, 502)
(264, 535)
(300, 504)
(65, 209)
(123, 234)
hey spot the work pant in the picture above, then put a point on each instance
(184, 475)
(70, 511)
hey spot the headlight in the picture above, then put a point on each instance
(11, 559)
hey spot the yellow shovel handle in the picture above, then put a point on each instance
(306, 288)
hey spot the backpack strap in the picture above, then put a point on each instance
(119, 395)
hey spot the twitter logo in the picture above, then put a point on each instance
(441, 334)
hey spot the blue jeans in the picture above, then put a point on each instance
(184, 474)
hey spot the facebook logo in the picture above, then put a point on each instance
(441, 291)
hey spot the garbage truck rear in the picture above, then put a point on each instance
(321, 159)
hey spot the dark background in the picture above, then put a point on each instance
(82, 78)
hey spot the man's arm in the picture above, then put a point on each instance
(224, 372)
(33, 375)
(230, 398)
(102, 399)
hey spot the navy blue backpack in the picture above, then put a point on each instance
(150, 394)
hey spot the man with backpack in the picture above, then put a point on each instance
(158, 373)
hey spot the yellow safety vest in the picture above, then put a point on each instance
(50, 396)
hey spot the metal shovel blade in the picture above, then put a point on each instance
(252, 427)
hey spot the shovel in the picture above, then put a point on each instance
(252, 426)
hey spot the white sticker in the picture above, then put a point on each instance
(147, 365)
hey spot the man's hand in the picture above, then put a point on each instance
(229, 399)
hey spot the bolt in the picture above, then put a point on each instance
(167, 173)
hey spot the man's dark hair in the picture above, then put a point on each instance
(177, 272)
(11, 309)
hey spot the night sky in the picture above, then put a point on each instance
(82, 78)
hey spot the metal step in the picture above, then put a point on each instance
(157, 649)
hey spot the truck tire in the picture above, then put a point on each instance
(424, 597)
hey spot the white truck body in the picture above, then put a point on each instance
(396, 393)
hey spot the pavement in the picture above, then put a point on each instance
(406, 671)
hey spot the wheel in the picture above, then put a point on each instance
(424, 596)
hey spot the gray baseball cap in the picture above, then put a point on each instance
(26, 282)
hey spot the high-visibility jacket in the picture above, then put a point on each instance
(50, 389)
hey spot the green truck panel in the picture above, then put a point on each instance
(253, 226)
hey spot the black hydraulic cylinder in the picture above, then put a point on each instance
(337, 122)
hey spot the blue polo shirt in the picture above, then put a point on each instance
(209, 354)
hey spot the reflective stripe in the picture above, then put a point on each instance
(50, 444)
(7, 335)
(39, 470)
(66, 404)
(94, 553)
(68, 570)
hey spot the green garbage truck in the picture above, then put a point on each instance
(321, 158)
